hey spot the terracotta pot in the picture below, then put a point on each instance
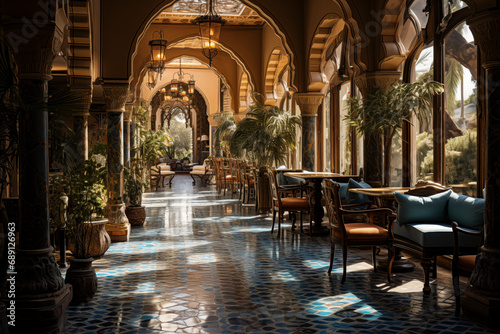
(136, 215)
(98, 240)
(264, 199)
(81, 275)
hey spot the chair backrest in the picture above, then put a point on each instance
(331, 190)
(274, 183)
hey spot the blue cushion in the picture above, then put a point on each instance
(294, 180)
(433, 235)
(354, 198)
(416, 209)
(281, 179)
(343, 189)
(466, 211)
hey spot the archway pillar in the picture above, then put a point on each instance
(368, 83)
(118, 227)
(80, 123)
(308, 104)
(482, 296)
(127, 119)
(41, 296)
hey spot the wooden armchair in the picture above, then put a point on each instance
(463, 262)
(365, 233)
(281, 201)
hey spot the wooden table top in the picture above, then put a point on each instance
(381, 192)
(319, 175)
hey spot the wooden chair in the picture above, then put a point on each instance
(463, 263)
(248, 183)
(365, 233)
(281, 201)
(160, 173)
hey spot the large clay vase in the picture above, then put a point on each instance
(81, 275)
(98, 240)
(136, 215)
(264, 199)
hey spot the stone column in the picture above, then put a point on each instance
(482, 296)
(80, 124)
(368, 83)
(41, 296)
(118, 226)
(308, 104)
(126, 133)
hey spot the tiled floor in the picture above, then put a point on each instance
(207, 264)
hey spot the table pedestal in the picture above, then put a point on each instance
(318, 211)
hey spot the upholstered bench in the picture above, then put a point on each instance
(423, 226)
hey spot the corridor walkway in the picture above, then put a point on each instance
(207, 264)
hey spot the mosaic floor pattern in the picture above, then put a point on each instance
(207, 264)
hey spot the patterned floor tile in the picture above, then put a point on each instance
(205, 263)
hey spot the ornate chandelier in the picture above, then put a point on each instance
(209, 25)
(180, 89)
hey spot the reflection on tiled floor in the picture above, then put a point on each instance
(207, 264)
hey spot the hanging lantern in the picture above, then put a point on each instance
(158, 52)
(209, 25)
(191, 87)
(185, 98)
(174, 86)
(151, 77)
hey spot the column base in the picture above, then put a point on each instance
(45, 313)
(118, 226)
(482, 305)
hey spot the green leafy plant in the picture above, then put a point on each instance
(135, 184)
(265, 135)
(383, 113)
(84, 188)
(224, 133)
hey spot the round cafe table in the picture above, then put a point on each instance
(316, 178)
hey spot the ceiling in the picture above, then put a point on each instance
(185, 11)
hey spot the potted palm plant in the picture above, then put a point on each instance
(383, 112)
(84, 198)
(134, 188)
(264, 137)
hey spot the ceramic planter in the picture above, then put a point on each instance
(136, 215)
(81, 275)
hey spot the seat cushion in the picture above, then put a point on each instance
(365, 231)
(284, 180)
(416, 209)
(466, 211)
(354, 198)
(290, 203)
(467, 262)
(435, 234)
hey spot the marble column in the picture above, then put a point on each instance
(482, 296)
(127, 119)
(80, 124)
(308, 104)
(118, 226)
(41, 296)
(368, 83)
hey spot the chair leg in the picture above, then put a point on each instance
(426, 265)
(301, 223)
(391, 255)
(456, 290)
(280, 217)
(344, 261)
(274, 219)
(332, 254)
(374, 258)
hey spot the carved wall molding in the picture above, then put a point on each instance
(485, 27)
(369, 82)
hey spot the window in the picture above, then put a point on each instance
(344, 130)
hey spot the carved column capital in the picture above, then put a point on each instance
(308, 103)
(127, 116)
(485, 27)
(85, 95)
(369, 82)
(34, 48)
(115, 96)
